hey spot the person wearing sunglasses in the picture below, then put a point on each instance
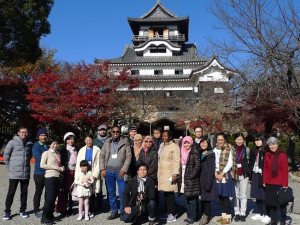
(115, 159)
(148, 155)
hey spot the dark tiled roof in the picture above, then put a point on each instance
(158, 19)
(187, 54)
(158, 10)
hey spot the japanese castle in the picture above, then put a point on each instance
(163, 60)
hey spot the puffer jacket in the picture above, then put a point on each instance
(17, 155)
(191, 176)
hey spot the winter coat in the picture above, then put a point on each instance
(191, 176)
(131, 192)
(151, 160)
(95, 167)
(168, 165)
(123, 155)
(17, 155)
(245, 161)
(208, 190)
(260, 164)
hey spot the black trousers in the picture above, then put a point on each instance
(271, 212)
(39, 181)
(261, 207)
(225, 204)
(205, 208)
(169, 198)
(13, 184)
(51, 192)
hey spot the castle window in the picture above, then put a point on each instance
(158, 72)
(135, 72)
(178, 71)
(219, 90)
(158, 49)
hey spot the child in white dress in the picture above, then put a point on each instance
(83, 180)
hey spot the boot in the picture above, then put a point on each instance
(204, 220)
(222, 216)
(227, 219)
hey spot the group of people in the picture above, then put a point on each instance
(148, 170)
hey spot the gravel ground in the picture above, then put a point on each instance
(101, 217)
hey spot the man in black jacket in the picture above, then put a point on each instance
(139, 196)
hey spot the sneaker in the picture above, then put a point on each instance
(243, 218)
(257, 217)
(237, 218)
(266, 219)
(91, 215)
(171, 218)
(86, 218)
(151, 222)
(204, 220)
(24, 214)
(80, 217)
(6, 216)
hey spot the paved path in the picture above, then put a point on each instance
(101, 218)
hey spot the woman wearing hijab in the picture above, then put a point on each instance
(135, 152)
(188, 182)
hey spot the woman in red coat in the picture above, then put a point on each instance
(275, 176)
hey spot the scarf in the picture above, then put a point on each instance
(225, 151)
(141, 183)
(185, 152)
(100, 138)
(275, 162)
(73, 155)
(239, 158)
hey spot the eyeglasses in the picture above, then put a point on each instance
(148, 141)
(115, 131)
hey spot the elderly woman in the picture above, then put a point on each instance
(188, 182)
(168, 171)
(68, 160)
(92, 155)
(275, 177)
(148, 155)
(51, 162)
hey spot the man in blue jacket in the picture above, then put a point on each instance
(37, 150)
(17, 155)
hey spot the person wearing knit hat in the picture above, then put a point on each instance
(132, 133)
(68, 159)
(37, 150)
(101, 136)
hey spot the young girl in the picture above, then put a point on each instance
(257, 188)
(84, 179)
(223, 173)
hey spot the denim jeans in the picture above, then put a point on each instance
(191, 207)
(151, 211)
(112, 177)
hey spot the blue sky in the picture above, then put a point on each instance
(85, 30)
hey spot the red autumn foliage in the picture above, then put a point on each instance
(82, 95)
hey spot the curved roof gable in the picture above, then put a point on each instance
(158, 11)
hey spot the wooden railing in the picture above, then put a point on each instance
(179, 37)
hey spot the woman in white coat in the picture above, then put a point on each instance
(92, 155)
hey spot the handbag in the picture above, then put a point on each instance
(284, 196)
(73, 190)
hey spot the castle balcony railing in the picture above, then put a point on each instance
(141, 38)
